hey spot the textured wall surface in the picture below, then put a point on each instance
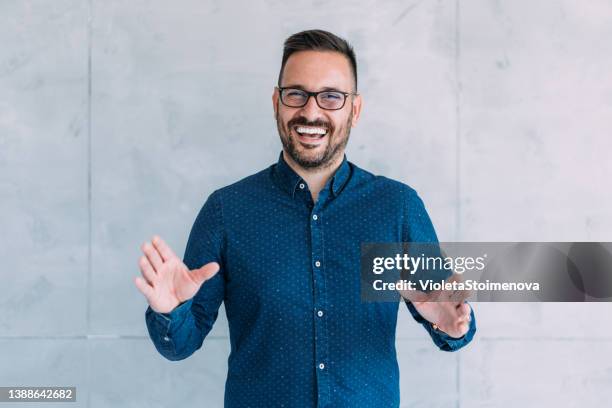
(117, 119)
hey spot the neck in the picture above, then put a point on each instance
(315, 177)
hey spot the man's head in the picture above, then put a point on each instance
(315, 61)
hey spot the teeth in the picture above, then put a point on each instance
(311, 130)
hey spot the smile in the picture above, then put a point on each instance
(310, 131)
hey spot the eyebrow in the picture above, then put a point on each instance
(326, 88)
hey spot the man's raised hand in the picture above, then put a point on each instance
(166, 281)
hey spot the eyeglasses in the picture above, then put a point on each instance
(328, 100)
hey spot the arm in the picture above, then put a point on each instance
(179, 333)
(419, 228)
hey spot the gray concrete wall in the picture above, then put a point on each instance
(116, 122)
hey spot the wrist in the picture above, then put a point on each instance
(437, 329)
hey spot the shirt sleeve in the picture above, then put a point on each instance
(442, 340)
(419, 228)
(178, 334)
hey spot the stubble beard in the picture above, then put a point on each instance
(336, 143)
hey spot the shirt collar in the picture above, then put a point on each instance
(289, 180)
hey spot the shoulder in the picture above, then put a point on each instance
(252, 183)
(382, 184)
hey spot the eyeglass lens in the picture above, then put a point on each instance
(327, 100)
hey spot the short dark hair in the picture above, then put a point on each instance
(318, 40)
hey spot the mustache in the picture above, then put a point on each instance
(304, 122)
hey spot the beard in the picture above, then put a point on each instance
(305, 156)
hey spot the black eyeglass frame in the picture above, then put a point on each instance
(314, 94)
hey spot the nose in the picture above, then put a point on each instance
(311, 109)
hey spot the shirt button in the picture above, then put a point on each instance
(321, 366)
(166, 338)
(317, 264)
(302, 186)
(320, 313)
(315, 217)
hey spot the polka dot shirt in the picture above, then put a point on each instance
(300, 335)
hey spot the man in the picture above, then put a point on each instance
(281, 249)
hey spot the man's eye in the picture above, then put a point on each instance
(332, 96)
(295, 93)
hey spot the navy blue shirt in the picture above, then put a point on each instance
(300, 335)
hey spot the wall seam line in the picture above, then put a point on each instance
(89, 198)
(458, 164)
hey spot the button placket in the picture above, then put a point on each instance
(320, 296)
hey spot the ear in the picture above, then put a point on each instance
(356, 106)
(275, 96)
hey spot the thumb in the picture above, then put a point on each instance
(205, 272)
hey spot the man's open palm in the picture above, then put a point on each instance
(166, 281)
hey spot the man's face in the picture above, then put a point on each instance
(316, 71)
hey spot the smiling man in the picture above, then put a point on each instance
(281, 250)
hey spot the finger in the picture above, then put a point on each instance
(462, 295)
(463, 320)
(462, 316)
(152, 256)
(206, 272)
(144, 288)
(464, 309)
(164, 250)
(147, 270)
(415, 296)
(458, 295)
(449, 295)
(463, 328)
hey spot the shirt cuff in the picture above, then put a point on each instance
(162, 322)
(448, 343)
